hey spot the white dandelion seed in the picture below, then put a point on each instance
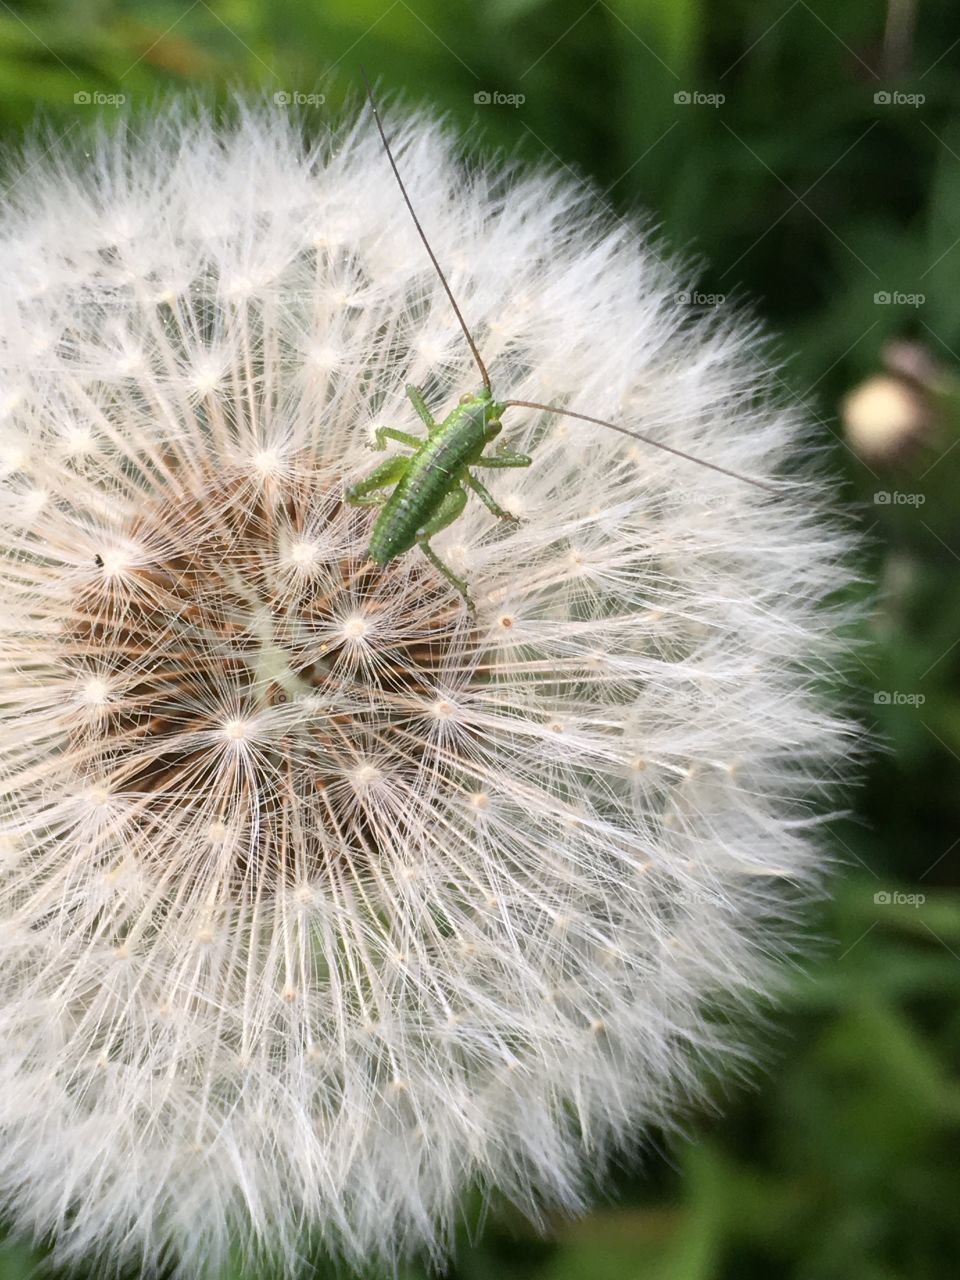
(319, 899)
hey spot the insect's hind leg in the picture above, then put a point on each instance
(487, 498)
(364, 493)
(500, 460)
(448, 511)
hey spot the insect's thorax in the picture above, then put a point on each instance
(465, 427)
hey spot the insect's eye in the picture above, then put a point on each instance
(466, 398)
(494, 427)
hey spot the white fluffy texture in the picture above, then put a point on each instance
(318, 899)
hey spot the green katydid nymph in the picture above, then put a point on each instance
(429, 487)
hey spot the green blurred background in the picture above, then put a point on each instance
(810, 154)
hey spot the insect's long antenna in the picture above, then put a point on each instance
(426, 243)
(636, 435)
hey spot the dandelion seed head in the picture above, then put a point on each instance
(237, 730)
(267, 462)
(94, 692)
(78, 441)
(355, 627)
(303, 554)
(322, 899)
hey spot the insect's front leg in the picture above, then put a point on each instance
(415, 395)
(364, 493)
(383, 434)
(448, 511)
(486, 497)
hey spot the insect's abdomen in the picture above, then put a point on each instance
(433, 472)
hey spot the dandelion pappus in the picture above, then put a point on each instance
(430, 486)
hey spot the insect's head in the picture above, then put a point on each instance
(492, 411)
